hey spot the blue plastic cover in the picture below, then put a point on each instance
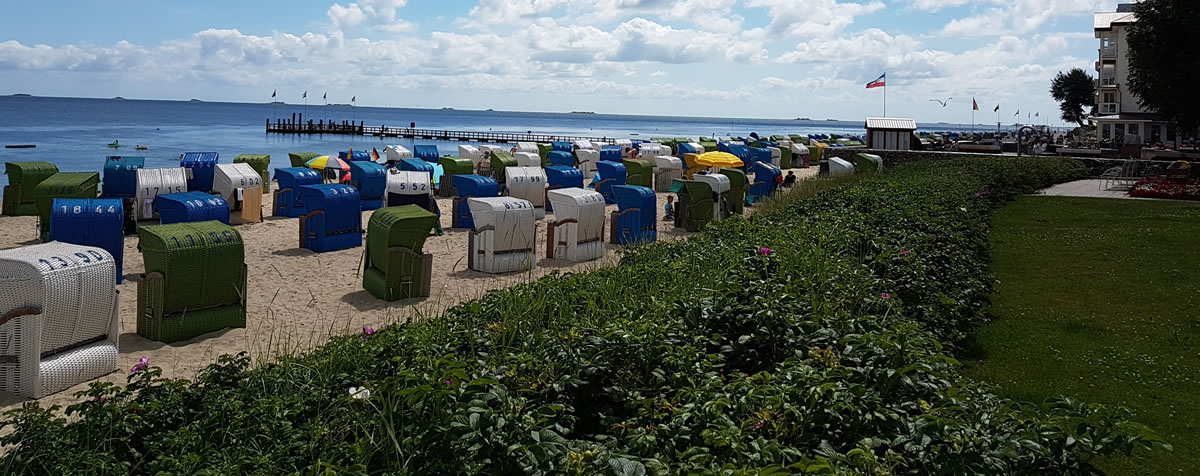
(563, 146)
(471, 186)
(416, 165)
(607, 175)
(766, 179)
(428, 153)
(636, 211)
(558, 176)
(120, 176)
(370, 178)
(359, 155)
(204, 166)
(561, 158)
(686, 148)
(287, 203)
(757, 154)
(191, 206)
(611, 153)
(339, 226)
(98, 222)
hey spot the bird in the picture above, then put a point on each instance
(943, 103)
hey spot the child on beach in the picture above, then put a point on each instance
(669, 209)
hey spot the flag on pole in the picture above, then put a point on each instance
(997, 109)
(974, 105)
(352, 98)
(273, 93)
(878, 82)
(1018, 113)
(304, 96)
(374, 154)
(325, 96)
(1036, 114)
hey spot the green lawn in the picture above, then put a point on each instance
(1097, 299)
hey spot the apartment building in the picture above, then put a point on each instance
(1118, 115)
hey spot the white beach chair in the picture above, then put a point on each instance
(504, 236)
(577, 234)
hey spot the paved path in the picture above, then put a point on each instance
(1093, 188)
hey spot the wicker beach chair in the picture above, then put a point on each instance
(195, 280)
(720, 186)
(504, 236)
(766, 181)
(737, 188)
(58, 317)
(96, 222)
(694, 209)
(869, 164)
(666, 170)
(300, 159)
(585, 161)
(452, 166)
(204, 168)
(426, 152)
(370, 179)
(285, 199)
(577, 232)
(609, 174)
(561, 177)
(189, 207)
(20, 195)
(651, 150)
(154, 182)
(63, 185)
(120, 176)
(467, 187)
(634, 220)
(527, 183)
(500, 159)
(261, 163)
(241, 187)
(332, 217)
(639, 172)
(395, 266)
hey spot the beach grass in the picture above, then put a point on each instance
(1097, 299)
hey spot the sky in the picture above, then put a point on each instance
(725, 58)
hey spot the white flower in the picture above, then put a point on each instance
(360, 393)
(962, 208)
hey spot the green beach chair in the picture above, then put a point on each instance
(20, 195)
(639, 172)
(195, 280)
(261, 163)
(500, 160)
(544, 153)
(737, 188)
(452, 166)
(869, 164)
(63, 185)
(300, 159)
(395, 268)
(695, 204)
(785, 155)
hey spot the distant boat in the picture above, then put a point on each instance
(140, 147)
(22, 95)
(115, 144)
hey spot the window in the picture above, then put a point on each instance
(1109, 97)
(1135, 130)
(1105, 131)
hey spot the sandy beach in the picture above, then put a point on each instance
(298, 299)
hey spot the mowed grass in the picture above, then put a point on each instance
(1098, 299)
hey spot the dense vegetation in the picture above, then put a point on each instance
(813, 337)
(1159, 69)
(1124, 332)
(1075, 92)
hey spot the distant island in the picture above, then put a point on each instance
(490, 110)
(447, 109)
(194, 100)
(118, 98)
(803, 119)
(277, 102)
(582, 112)
(22, 95)
(831, 120)
(340, 105)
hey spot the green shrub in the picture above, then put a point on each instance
(813, 337)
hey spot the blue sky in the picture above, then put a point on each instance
(736, 58)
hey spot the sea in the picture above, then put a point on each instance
(74, 133)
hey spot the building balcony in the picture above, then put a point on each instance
(1108, 81)
(1107, 108)
(1108, 52)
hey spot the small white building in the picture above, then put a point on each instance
(890, 133)
(1119, 116)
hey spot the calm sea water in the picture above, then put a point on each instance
(74, 133)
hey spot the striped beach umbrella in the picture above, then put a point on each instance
(326, 162)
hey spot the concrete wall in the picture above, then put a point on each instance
(892, 158)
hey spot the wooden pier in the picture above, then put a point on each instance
(283, 126)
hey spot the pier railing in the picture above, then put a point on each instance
(283, 126)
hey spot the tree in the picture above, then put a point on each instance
(1163, 60)
(1073, 90)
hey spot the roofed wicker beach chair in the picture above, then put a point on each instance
(634, 221)
(120, 176)
(561, 177)
(63, 185)
(204, 167)
(452, 166)
(58, 317)
(241, 187)
(695, 206)
(98, 222)
(395, 267)
(666, 170)
(154, 182)
(195, 280)
(737, 188)
(188, 207)
(468, 187)
(261, 163)
(300, 159)
(504, 236)
(528, 183)
(20, 195)
(370, 179)
(286, 199)
(639, 172)
(332, 217)
(577, 232)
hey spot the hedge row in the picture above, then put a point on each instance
(813, 337)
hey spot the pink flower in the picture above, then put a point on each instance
(367, 333)
(100, 399)
(448, 382)
(758, 425)
(885, 296)
(904, 252)
(142, 364)
(764, 251)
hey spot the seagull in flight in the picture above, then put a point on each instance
(943, 103)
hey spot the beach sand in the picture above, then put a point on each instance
(298, 299)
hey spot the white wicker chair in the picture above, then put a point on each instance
(59, 324)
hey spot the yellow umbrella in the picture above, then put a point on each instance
(719, 159)
(326, 162)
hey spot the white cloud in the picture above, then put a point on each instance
(658, 74)
(370, 11)
(824, 18)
